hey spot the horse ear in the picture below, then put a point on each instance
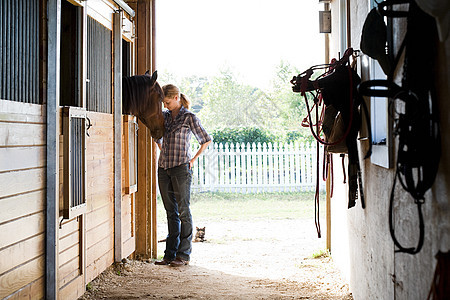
(154, 76)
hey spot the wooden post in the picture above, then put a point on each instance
(141, 195)
(328, 182)
(117, 48)
(146, 194)
(154, 242)
(328, 209)
(52, 197)
(153, 144)
(327, 40)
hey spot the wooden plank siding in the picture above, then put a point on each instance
(128, 224)
(99, 219)
(22, 199)
(85, 244)
(102, 12)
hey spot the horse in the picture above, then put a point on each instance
(142, 96)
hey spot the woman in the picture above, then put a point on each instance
(175, 173)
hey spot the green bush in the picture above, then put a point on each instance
(303, 136)
(256, 135)
(243, 135)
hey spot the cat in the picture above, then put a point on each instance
(199, 236)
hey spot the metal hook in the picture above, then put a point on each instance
(89, 125)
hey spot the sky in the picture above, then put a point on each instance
(199, 37)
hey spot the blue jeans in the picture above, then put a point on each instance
(175, 188)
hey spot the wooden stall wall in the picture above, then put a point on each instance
(86, 243)
(22, 200)
(100, 216)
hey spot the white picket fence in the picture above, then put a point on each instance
(254, 168)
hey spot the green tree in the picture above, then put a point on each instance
(192, 86)
(230, 104)
(227, 106)
(291, 106)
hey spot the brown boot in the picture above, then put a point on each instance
(163, 262)
(178, 262)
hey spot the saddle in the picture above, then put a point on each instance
(340, 119)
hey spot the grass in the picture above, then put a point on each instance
(320, 254)
(236, 207)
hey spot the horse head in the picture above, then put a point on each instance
(142, 96)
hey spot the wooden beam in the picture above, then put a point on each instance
(153, 33)
(328, 183)
(146, 240)
(145, 164)
(153, 146)
(349, 33)
(149, 195)
(328, 210)
(117, 48)
(141, 195)
(52, 177)
(327, 40)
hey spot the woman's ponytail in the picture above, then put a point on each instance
(185, 101)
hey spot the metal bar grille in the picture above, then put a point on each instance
(19, 50)
(77, 161)
(99, 86)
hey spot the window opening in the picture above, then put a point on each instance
(99, 69)
(19, 51)
(379, 114)
(343, 26)
(126, 59)
(70, 71)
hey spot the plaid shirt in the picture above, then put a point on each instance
(176, 142)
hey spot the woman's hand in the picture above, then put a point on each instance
(202, 148)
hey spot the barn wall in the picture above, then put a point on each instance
(96, 227)
(85, 244)
(361, 243)
(100, 216)
(22, 199)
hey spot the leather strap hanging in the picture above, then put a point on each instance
(417, 126)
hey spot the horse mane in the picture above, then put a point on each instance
(137, 96)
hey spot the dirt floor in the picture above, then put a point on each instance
(240, 260)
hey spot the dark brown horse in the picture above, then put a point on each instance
(142, 96)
